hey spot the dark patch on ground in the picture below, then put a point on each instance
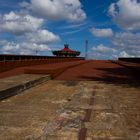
(71, 83)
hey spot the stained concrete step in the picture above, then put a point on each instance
(16, 84)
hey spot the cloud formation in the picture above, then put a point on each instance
(123, 44)
(18, 24)
(127, 42)
(103, 49)
(30, 43)
(28, 33)
(42, 37)
(102, 52)
(70, 10)
(22, 47)
(102, 32)
(106, 52)
(26, 25)
(126, 14)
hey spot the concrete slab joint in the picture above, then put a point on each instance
(17, 87)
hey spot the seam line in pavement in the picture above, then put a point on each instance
(83, 131)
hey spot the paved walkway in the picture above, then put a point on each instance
(72, 110)
(97, 101)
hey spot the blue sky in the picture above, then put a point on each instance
(112, 27)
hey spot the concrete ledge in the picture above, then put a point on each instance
(17, 88)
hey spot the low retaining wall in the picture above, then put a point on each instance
(8, 62)
(134, 60)
(20, 87)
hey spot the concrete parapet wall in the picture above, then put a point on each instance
(134, 60)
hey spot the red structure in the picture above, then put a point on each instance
(66, 52)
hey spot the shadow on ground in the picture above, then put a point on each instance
(116, 76)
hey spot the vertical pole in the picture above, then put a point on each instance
(36, 51)
(86, 49)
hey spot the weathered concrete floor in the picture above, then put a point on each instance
(56, 110)
(13, 81)
(16, 84)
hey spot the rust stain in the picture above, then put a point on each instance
(82, 134)
(87, 116)
(91, 101)
(93, 94)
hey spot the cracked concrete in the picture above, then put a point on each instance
(55, 111)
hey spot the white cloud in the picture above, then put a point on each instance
(123, 44)
(102, 32)
(22, 48)
(31, 38)
(73, 26)
(128, 43)
(9, 46)
(103, 49)
(70, 10)
(42, 37)
(19, 24)
(126, 14)
(102, 52)
(30, 43)
(125, 54)
(127, 40)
